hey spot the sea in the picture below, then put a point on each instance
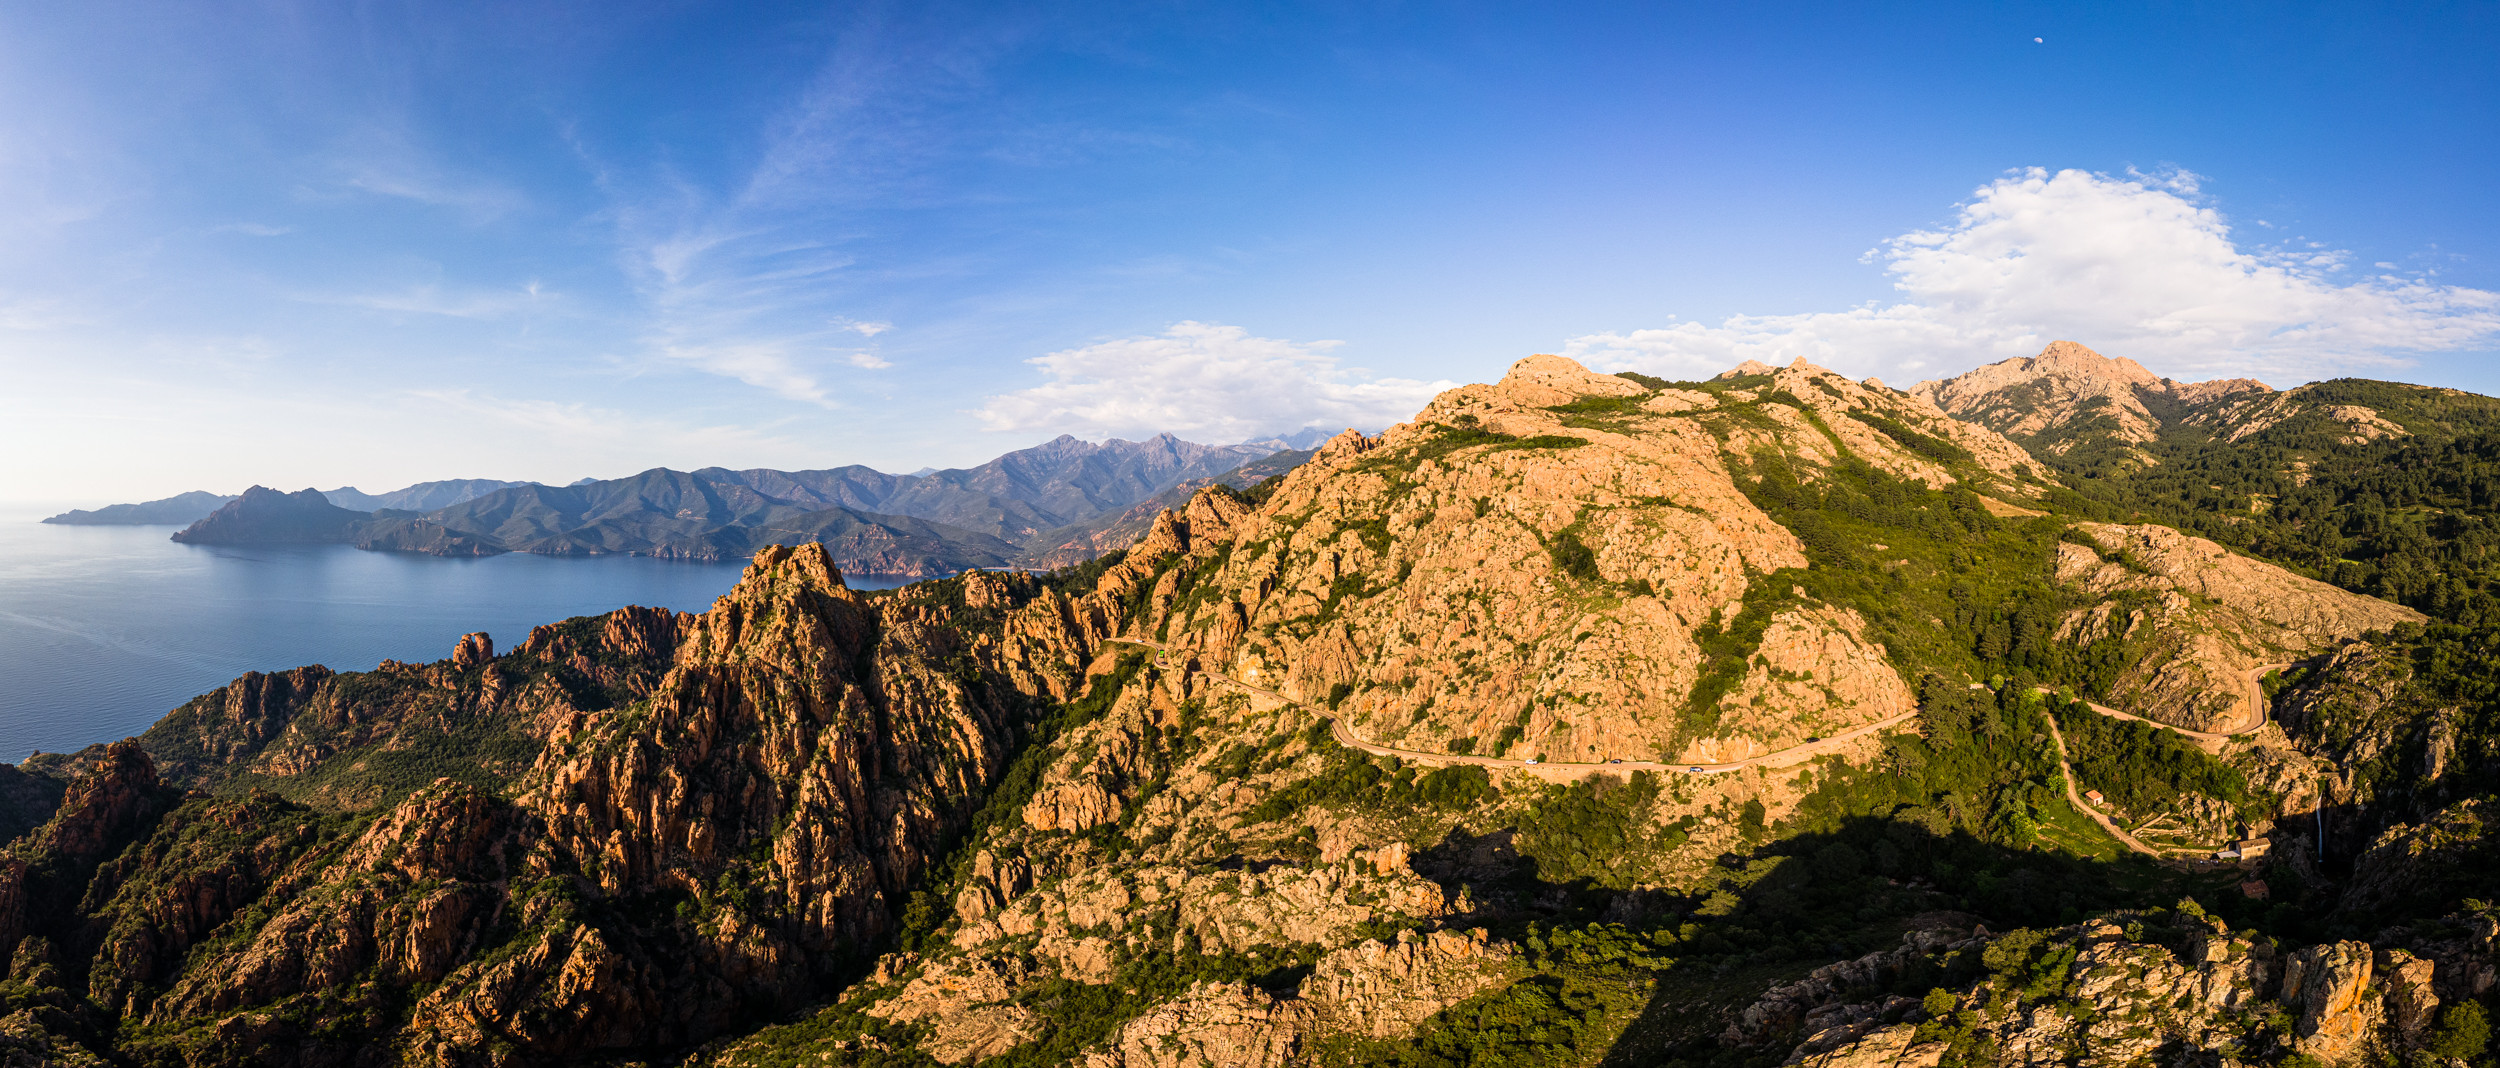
(105, 629)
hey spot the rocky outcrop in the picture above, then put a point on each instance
(722, 810)
(226, 727)
(2340, 1012)
(2070, 397)
(43, 875)
(2097, 994)
(2419, 866)
(2206, 617)
(2079, 408)
(1212, 1025)
(1384, 989)
(1813, 675)
(1377, 990)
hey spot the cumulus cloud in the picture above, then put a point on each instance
(2139, 266)
(1206, 381)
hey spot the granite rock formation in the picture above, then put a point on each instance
(1107, 815)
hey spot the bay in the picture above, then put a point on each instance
(105, 629)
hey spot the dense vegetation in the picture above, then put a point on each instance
(2413, 518)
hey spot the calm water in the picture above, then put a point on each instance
(105, 629)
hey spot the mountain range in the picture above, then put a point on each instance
(2054, 712)
(1047, 503)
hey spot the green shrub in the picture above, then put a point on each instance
(2464, 1032)
(1573, 557)
(1933, 448)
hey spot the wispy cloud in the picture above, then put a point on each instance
(2133, 265)
(585, 429)
(743, 275)
(408, 179)
(1205, 379)
(770, 365)
(453, 302)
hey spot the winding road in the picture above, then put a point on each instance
(2252, 690)
(2066, 772)
(1560, 769)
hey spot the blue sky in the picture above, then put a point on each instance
(370, 244)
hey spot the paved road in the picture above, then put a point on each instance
(2252, 691)
(2068, 772)
(1564, 768)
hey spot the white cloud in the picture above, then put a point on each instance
(605, 434)
(863, 329)
(870, 360)
(1206, 381)
(383, 160)
(764, 364)
(457, 303)
(2136, 266)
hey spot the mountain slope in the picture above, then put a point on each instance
(2074, 405)
(421, 497)
(1322, 774)
(1017, 496)
(263, 516)
(777, 772)
(1029, 505)
(677, 514)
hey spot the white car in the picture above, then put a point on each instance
(1531, 760)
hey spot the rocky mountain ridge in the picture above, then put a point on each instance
(1102, 816)
(1019, 494)
(2086, 412)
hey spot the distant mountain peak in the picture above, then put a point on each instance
(2070, 396)
(264, 515)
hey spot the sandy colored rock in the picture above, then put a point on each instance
(2068, 392)
(1384, 989)
(1213, 1025)
(2329, 985)
(2213, 615)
